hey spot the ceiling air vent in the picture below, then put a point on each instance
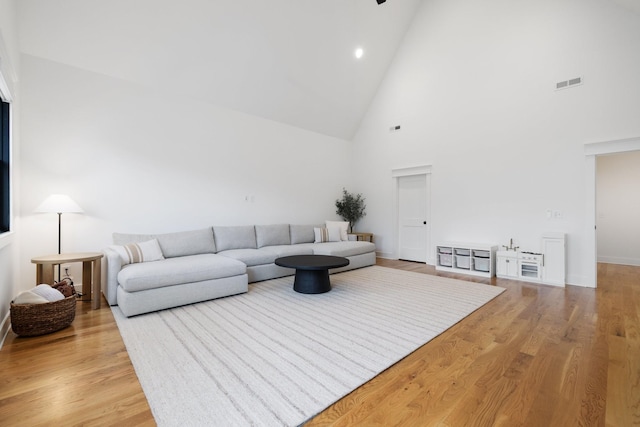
(569, 83)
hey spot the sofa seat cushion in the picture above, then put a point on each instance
(251, 257)
(179, 270)
(289, 250)
(344, 249)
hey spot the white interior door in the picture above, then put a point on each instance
(412, 217)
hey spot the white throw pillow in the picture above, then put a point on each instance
(28, 297)
(48, 293)
(139, 252)
(343, 225)
(335, 233)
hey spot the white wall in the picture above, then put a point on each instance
(9, 242)
(139, 160)
(618, 208)
(473, 88)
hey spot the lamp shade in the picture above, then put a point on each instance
(59, 203)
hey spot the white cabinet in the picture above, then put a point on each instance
(526, 266)
(546, 267)
(553, 248)
(507, 264)
(467, 258)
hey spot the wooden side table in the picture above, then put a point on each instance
(91, 289)
(363, 236)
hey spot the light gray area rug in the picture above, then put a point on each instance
(274, 357)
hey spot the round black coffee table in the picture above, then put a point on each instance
(312, 271)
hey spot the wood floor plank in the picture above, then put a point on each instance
(534, 356)
(81, 375)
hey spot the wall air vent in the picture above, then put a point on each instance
(569, 83)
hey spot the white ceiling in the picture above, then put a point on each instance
(291, 61)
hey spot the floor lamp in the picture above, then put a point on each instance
(59, 203)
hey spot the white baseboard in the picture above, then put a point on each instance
(619, 260)
(390, 255)
(385, 255)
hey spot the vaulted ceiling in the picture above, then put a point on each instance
(290, 61)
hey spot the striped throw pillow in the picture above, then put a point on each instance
(321, 234)
(326, 234)
(139, 252)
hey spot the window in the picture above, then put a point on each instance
(5, 174)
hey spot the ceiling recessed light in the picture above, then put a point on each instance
(359, 52)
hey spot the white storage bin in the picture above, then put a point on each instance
(444, 250)
(463, 252)
(481, 254)
(462, 261)
(481, 264)
(445, 260)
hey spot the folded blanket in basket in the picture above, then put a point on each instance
(39, 295)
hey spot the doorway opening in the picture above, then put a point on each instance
(618, 208)
(592, 151)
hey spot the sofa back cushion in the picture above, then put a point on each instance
(182, 243)
(302, 233)
(186, 243)
(272, 235)
(236, 237)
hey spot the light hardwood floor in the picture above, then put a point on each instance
(536, 356)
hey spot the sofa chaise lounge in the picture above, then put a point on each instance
(199, 265)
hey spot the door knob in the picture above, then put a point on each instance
(424, 222)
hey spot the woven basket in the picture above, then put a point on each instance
(29, 320)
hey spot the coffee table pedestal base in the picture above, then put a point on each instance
(312, 281)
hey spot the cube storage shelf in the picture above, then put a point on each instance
(467, 258)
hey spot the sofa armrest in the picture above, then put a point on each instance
(112, 268)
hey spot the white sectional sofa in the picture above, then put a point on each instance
(213, 262)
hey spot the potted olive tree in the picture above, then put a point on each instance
(350, 208)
